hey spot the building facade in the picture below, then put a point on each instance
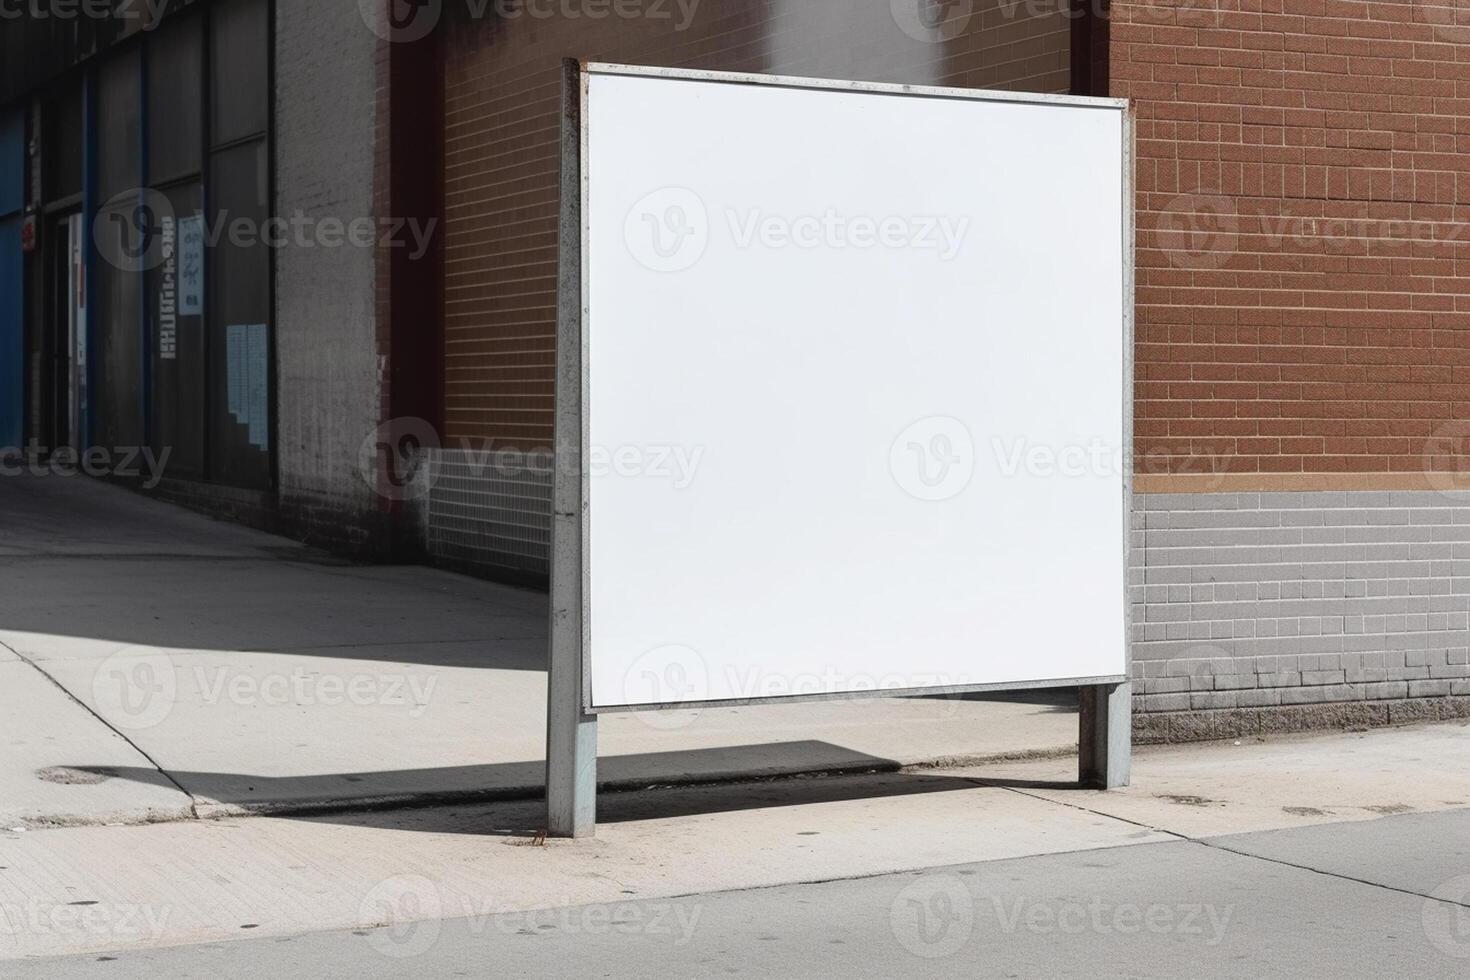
(309, 250)
(1303, 176)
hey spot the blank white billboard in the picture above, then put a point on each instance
(857, 388)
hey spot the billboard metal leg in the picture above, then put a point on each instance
(1105, 741)
(571, 756)
(571, 732)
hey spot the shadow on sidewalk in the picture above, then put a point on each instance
(685, 783)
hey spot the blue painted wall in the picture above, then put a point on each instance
(12, 272)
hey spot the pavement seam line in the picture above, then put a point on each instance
(1329, 874)
(1084, 809)
(193, 801)
(1205, 842)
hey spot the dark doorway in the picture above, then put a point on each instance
(63, 336)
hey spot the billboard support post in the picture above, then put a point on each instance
(1105, 715)
(1105, 741)
(571, 731)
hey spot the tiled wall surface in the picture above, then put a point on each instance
(490, 514)
(1246, 600)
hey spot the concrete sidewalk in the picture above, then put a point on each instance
(158, 665)
(1331, 902)
(395, 875)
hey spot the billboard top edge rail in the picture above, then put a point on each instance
(849, 85)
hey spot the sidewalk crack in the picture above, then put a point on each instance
(1334, 874)
(193, 800)
(1095, 813)
(1206, 842)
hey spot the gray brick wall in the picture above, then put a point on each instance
(1257, 600)
(490, 514)
(1239, 600)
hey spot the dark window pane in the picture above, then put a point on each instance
(12, 161)
(175, 97)
(120, 239)
(118, 158)
(117, 355)
(63, 149)
(238, 64)
(237, 281)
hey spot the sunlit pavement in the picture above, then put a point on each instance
(106, 889)
(1374, 897)
(160, 665)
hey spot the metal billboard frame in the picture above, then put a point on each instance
(1105, 736)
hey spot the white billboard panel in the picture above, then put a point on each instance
(855, 364)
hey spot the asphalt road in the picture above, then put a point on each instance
(1384, 898)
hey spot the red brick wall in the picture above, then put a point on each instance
(1303, 265)
(501, 84)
